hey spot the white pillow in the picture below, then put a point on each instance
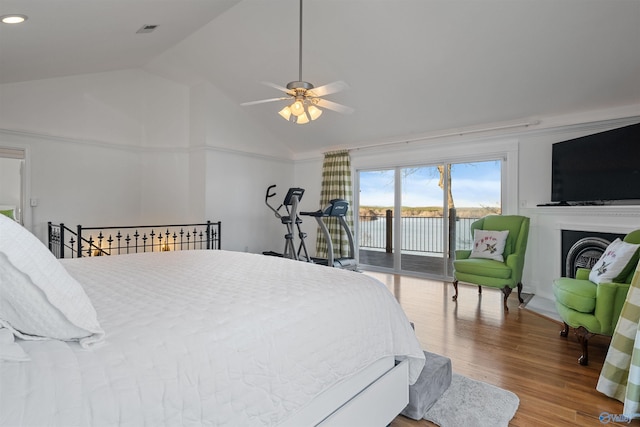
(38, 298)
(614, 259)
(489, 244)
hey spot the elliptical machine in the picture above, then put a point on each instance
(290, 203)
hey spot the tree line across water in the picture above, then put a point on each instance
(428, 211)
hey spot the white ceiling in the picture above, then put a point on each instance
(413, 66)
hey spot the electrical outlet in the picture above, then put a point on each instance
(33, 203)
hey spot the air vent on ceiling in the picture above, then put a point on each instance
(146, 29)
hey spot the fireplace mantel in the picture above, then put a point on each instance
(606, 211)
(544, 263)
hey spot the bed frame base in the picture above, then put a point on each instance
(376, 405)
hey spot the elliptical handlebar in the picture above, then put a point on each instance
(269, 195)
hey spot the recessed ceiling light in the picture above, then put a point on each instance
(13, 19)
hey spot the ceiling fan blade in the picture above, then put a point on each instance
(278, 87)
(262, 101)
(330, 105)
(329, 88)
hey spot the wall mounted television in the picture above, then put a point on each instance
(596, 168)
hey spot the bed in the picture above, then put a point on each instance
(200, 337)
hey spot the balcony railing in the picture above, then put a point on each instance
(98, 241)
(419, 234)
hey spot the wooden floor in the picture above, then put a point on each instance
(520, 351)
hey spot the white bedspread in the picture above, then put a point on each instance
(206, 338)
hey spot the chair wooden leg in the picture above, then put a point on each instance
(480, 289)
(565, 331)
(520, 293)
(583, 337)
(455, 286)
(521, 305)
(506, 291)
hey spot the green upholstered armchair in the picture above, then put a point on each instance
(590, 308)
(493, 273)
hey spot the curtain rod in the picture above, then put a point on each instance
(443, 135)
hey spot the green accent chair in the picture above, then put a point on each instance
(593, 309)
(492, 273)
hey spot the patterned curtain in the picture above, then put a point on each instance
(336, 184)
(620, 374)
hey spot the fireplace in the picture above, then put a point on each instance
(583, 249)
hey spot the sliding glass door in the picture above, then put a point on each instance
(476, 191)
(422, 220)
(375, 222)
(435, 205)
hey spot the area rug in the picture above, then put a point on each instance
(468, 402)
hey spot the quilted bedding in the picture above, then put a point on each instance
(206, 338)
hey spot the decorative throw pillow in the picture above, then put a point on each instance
(613, 261)
(38, 297)
(489, 244)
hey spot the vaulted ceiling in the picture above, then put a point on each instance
(413, 66)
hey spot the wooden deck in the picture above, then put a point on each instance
(430, 265)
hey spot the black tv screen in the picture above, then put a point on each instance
(601, 167)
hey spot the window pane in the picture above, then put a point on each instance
(476, 192)
(422, 220)
(376, 198)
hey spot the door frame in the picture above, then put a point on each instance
(439, 153)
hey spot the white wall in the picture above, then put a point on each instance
(164, 178)
(128, 147)
(529, 183)
(236, 161)
(236, 185)
(544, 250)
(76, 182)
(10, 178)
(128, 107)
(216, 121)
(84, 137)
(308, 175)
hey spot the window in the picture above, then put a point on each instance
(412, 219)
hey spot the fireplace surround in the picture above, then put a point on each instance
(583, 249)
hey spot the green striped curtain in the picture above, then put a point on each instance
(336, 184)
(620, 374)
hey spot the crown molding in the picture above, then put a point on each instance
(133, 148)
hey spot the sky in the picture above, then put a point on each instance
(473, 185)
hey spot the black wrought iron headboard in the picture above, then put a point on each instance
(98, 241)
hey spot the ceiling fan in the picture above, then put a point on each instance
(307, 99)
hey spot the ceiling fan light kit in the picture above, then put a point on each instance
(306, 98)
(14, 18)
